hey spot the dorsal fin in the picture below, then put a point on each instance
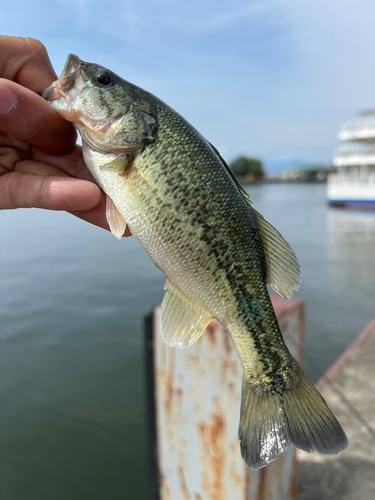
(283, 269)
(245, 196)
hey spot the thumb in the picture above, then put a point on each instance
(26, 116)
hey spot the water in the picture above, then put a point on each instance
(73, 298)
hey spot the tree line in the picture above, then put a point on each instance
(246, 167)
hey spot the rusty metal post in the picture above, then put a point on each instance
(194, 400)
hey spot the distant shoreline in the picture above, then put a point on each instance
(277, 180)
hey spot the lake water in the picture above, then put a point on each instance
(73, 299)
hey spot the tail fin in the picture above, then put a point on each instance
(270, 422)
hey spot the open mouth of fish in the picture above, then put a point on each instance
(63, 92)
(66, 82)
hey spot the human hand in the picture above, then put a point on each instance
(40, 164)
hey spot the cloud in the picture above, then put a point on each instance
(272, 78)
(210, 21)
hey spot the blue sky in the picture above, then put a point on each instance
(267, 78)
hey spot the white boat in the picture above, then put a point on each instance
(353, 185)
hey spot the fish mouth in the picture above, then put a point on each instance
(59, 88)
(70, 72)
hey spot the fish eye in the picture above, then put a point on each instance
(103, 79)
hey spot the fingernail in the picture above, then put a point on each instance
(7, 101)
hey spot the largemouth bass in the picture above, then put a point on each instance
(181, 201)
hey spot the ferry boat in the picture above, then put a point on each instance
(353, 185)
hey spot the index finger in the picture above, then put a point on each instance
(26, 62)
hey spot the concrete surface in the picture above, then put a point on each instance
(350, 475)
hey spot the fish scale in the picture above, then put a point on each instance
(202, 187)
(181, 201)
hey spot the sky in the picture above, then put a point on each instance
(272, 79)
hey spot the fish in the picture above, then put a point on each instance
(179, 198)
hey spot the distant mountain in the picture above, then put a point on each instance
(277, 166)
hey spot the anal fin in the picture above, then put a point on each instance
(182, 321)
(116, 223)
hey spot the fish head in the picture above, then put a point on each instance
(111, 114)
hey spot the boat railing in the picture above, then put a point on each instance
(357, 130)
(357, 151)
(367, 178)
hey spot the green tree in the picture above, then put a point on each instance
(245, 166)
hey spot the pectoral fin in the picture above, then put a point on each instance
(118, 165)
(116, 223)
(182, 321)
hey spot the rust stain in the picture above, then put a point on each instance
(194, 359)
(212, 441)
(179, 394)
(235, 477)
(218, 456)
(177, 418)
(169, 378)
(169, 394)
(165, 491)
(184, 491)
(228, 345)
(205, 482)
(173, 398)
(217, 427)
(224, 368)
(204, 436)
(210, 334)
